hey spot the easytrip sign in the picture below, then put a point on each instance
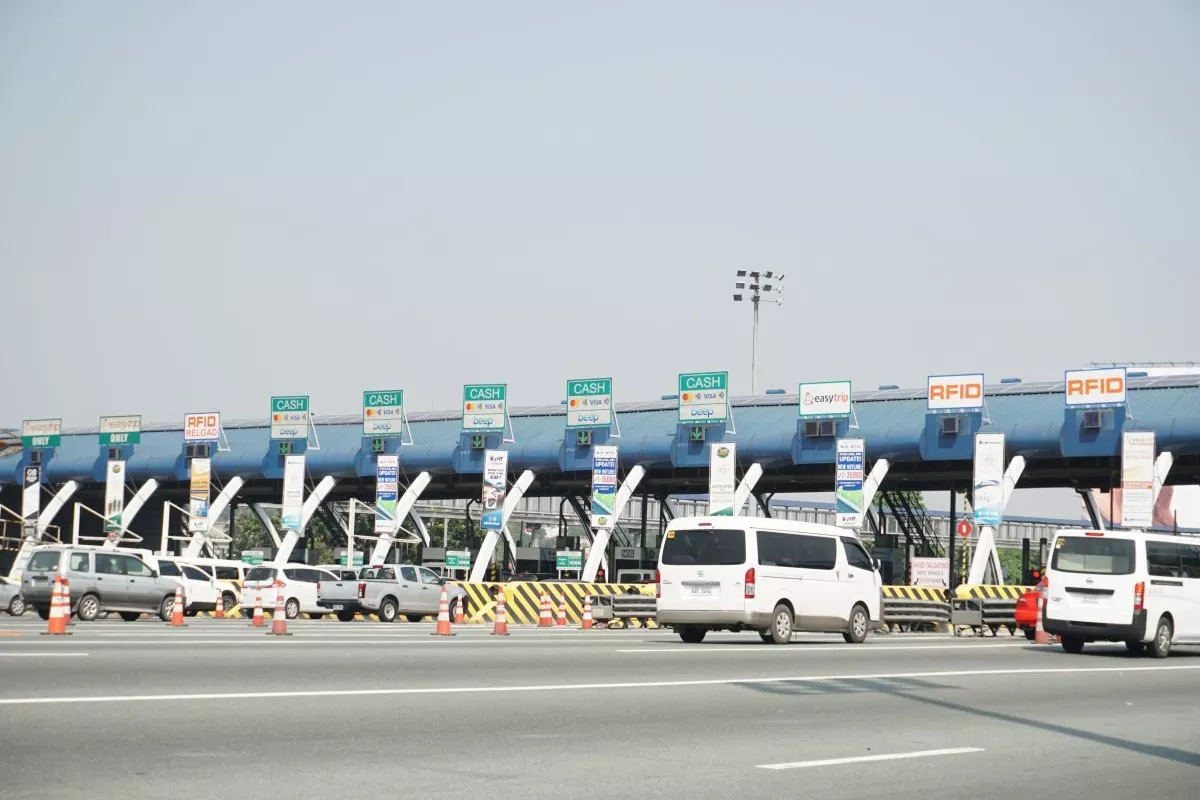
(483, 406)
(1095, 387)
(955, 391)
(203, 427)
(825, 399)
(703, 397)
(589, 402)
(41, 432)
(289, 417)
(383, 412)
(120, 430)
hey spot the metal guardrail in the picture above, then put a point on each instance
(907, 614)
(979, 613)
(622, 608)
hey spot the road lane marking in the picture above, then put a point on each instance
(833, 762)
(575, 687)
(301, 639)
(42, 655)
(796, 647)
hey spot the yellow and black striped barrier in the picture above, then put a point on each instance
(991, 592)
(523, 600)
(927, 593)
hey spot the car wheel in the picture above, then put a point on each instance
(89, 608)
(291, 609)
(387, 610)
(190, 612)
(16, 606)
(413, 617)
(44, 613)
(765, 636)
(1161, 646)
(860, 624)
(166, 608)
(345, 616)
(692, 634)
(228, 603)
(782, 624)
(1137, 648)
(1030, 633)
(1072, 644)
(130, 616)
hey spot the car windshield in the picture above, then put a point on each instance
(43, 561)
(261, 574)
(705, 546)
(1094, 555)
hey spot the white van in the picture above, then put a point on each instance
(771, 576)
(1123, 586)
(299, 589)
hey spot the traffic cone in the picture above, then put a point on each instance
(219, 611)
(460, 613)
(258, 621)
(545, 618)
(57, 624)
(443, 620)
(177, 607)
(501, 626)
(65, 600)
(1039, 633)
(562, 611)
(587, 613)
(279, 617)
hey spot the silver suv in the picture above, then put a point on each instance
(99, 580)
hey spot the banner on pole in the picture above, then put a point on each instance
(604, 487)
(114, 496)
(848, 483)
(722, 479)
(293, 494)
(495, 486)
(198, 494)
(988, 485)
(387, 493)
(1137, 479)
(31, 501)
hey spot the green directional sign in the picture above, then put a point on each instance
(703, 397)
(253, 557)
(120, 430)
(289, 417)
(589, 403)
(40, 433)
(358, 559)
(458, 559)
(383, 412)
(568, 559)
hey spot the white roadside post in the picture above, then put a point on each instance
(311, 504)
(488, 548)
(45, 517)
(195, 545)
(985, 547)
(600, 541)
(746, 486)
(403, 507)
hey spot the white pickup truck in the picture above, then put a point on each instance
(389, 592)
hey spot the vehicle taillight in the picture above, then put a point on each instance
(1139, 596)
(318, 586)
(362, 590)
(657, 584)
(750, 583)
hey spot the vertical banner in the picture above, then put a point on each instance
(988, 486)
(1137, 479)
(387, 493)
(114, 496)
(848, 483)
(604, 486)
(722, 479)
(293, 494)
(495, 486)
(31, 501)
(198, 493)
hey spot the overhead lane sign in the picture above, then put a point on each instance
(955, 392)
(289, 417)
(825, 399)
(120, 430)
(703, 397)
(383, 412)
(589, 403)
(202, 427)
(41, 433)
(484, 407)
(1095, 387)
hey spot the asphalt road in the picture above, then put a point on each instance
(137, 710)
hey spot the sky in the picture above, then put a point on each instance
(206, 204)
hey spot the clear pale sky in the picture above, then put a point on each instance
(205, 204)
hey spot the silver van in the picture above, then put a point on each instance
(99, 580)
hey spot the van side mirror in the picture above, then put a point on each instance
(878, 565)
(153, 573)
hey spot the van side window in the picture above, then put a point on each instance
(817, 552)
(1190, 560)
(409, 574)
(168, 568)
(778, 549)
(79, 562)
(1163, 560)
(135, 566)
(855, 555)
(107, 564)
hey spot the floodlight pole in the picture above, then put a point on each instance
(756, 283)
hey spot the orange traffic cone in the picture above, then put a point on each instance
(501, 626)
(1039, 633)
(443, 620)
(545, 618)
(65, 591)
(258, 621)
(279, 617)
(460, 611)
(587, 613)
(562, 611)
(57, 623)
(177, 607)
(219, 611)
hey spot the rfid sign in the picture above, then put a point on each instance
(289, 417)
(589, 403)
(484, 407)
(703, 397)
(383, 412)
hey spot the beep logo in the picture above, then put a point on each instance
(955, 391)
(1090, 387)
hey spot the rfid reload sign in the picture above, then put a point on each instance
(483, 407)
(703, 397)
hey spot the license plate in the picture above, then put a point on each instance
(337, 607)
(1089, 600)
(702, 591)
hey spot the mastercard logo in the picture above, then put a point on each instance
(686, 397)
(470, 406)
(275, 417)
(370, 411)
(574, 403)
